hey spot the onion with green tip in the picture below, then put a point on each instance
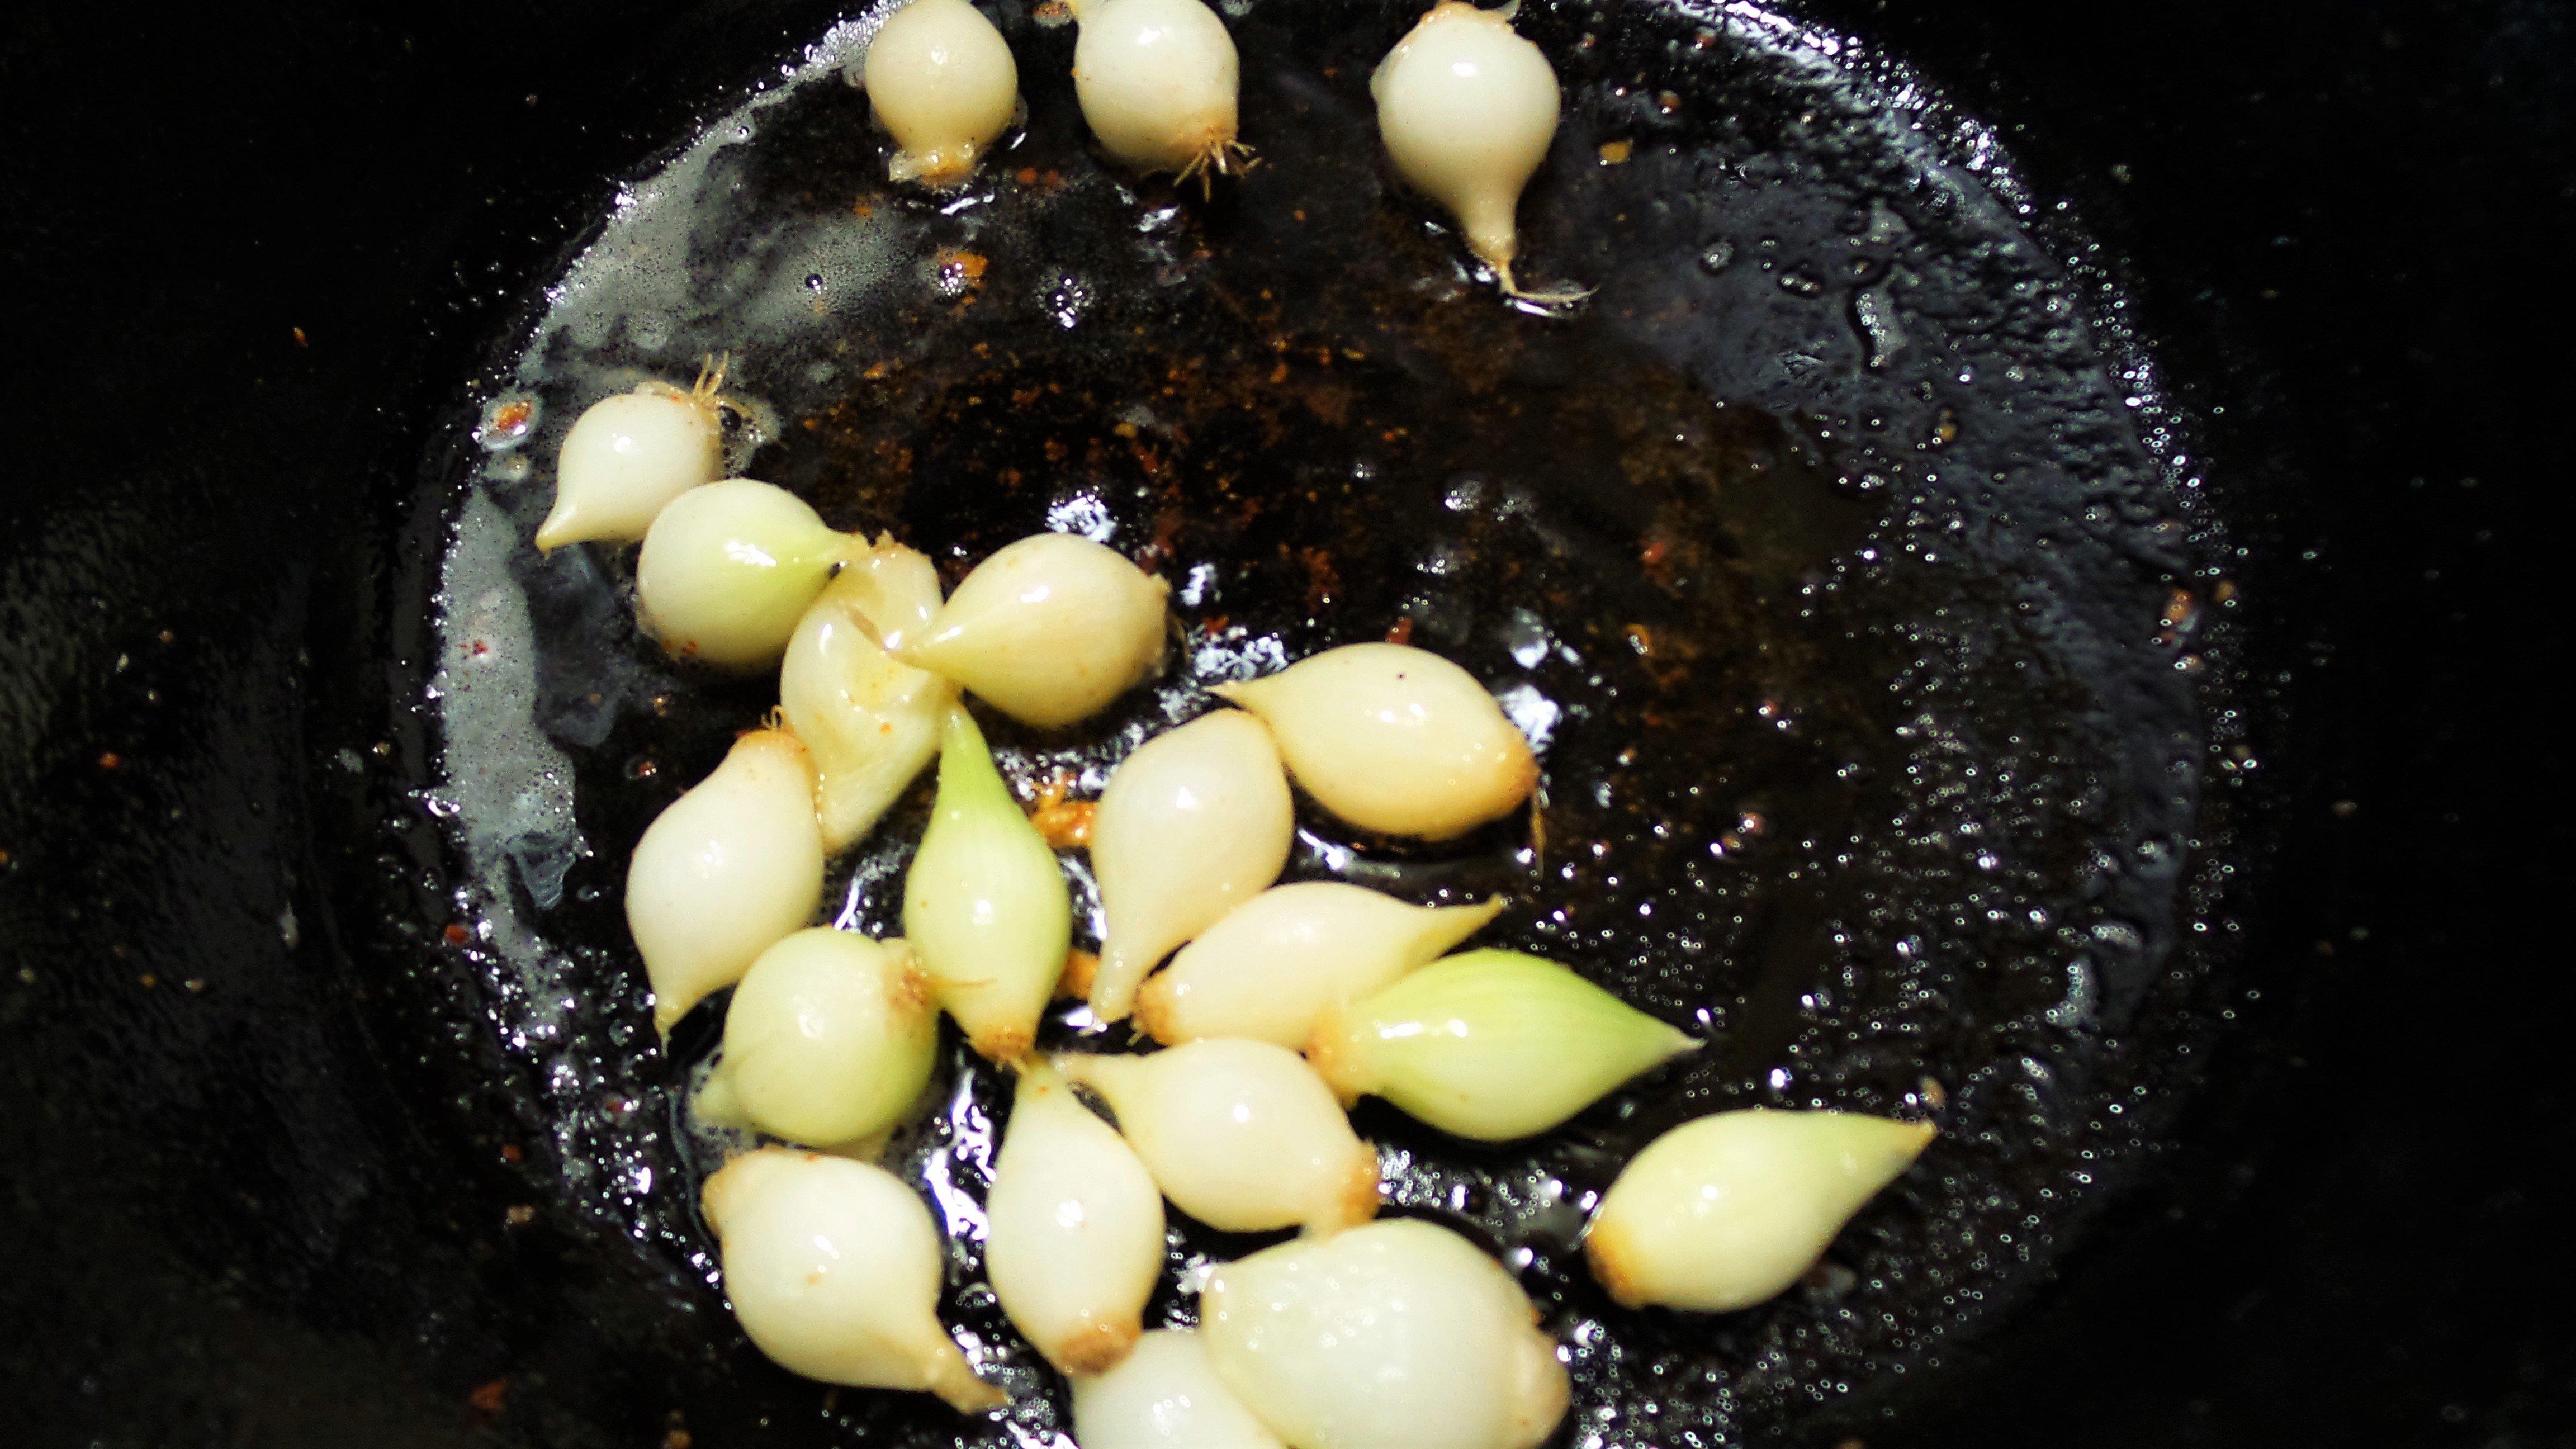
(985, 904)
(828, 1039)
(1490, 1045)
(1727, 1211)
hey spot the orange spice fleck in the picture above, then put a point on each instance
(488, 1398)
(110, 760)
(1080, 967)
(1402, 632)
(1615, 152)
(1655, 552)
(456, 935)
(300, 339)
(1062, 822)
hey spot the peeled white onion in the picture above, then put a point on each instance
(1158, 81)
(1165, 1395)
(728, 568)
(1048, 630)
(834, 1269)
(1394, 739)
(985, 905)
(941, 80)
(1726, 1211)
(1192, 824)
(1241, 1135)
(828, 1039)
(1467, 108)
(1076, 1228)
(1396, 1335)
(1490, 1045)
(629, 455)
(726, 872)
(870, 721)
(1272, 966)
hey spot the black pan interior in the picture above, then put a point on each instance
(275, 1180)
(1841, 550)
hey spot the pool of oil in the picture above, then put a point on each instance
(1838, 553)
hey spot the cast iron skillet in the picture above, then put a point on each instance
(254, 1206)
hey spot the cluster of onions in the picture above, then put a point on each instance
(1157, 80)
(1467, 107)
(1275, 1007)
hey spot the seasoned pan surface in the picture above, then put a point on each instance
(1840, 551)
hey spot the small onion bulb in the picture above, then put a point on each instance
(870, 721)
(1467, 108)
(1491, 1045)
(733, 866)
(1394, 739)
(1076, 1228)
(941, 81)
(1397, 1335)
(828, 1039)
(1726, 1211)
(985, 905)
(1048, 630)
(729, 568)
(1193, 823)
(1165, 1395)
(628, 456)
(834, 1269)
(1158, 80)
(1241, 1135)
(1273, 965)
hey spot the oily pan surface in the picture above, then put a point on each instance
(1833, 553)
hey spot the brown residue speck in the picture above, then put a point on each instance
(1323, 582)
(1080, 969)
(300, 339)
(489, 1398)
(1614, 153)
(457, 935)
(111, 760)
(1401, 632)
(1064, 823)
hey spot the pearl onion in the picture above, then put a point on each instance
(1397, 1335)
(727, 871)
(941, 80)
(729, 568)
(1158, 80)
(1166, 1395)
(1049, 629)
(1076, 1228)
(828, 1039)
(834, 1270)
(1394, 739)
(626, 457)
(870, 722)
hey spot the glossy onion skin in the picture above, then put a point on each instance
(1467, 108)
(1490, 1045)
(870, 721)
(1076, 1228)
(1241, 1135)
(625, 458)
(1158, 82)
(1396, 1335)
(1394, 739)
(985, 905)
(1271, 967)
(729, 568)
(726, 872)
(834, 1268)
(1049, 629)
(1166, 1395)
(828, 1039)
(1193, 823)
(941, 81)
(1727, 1211)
